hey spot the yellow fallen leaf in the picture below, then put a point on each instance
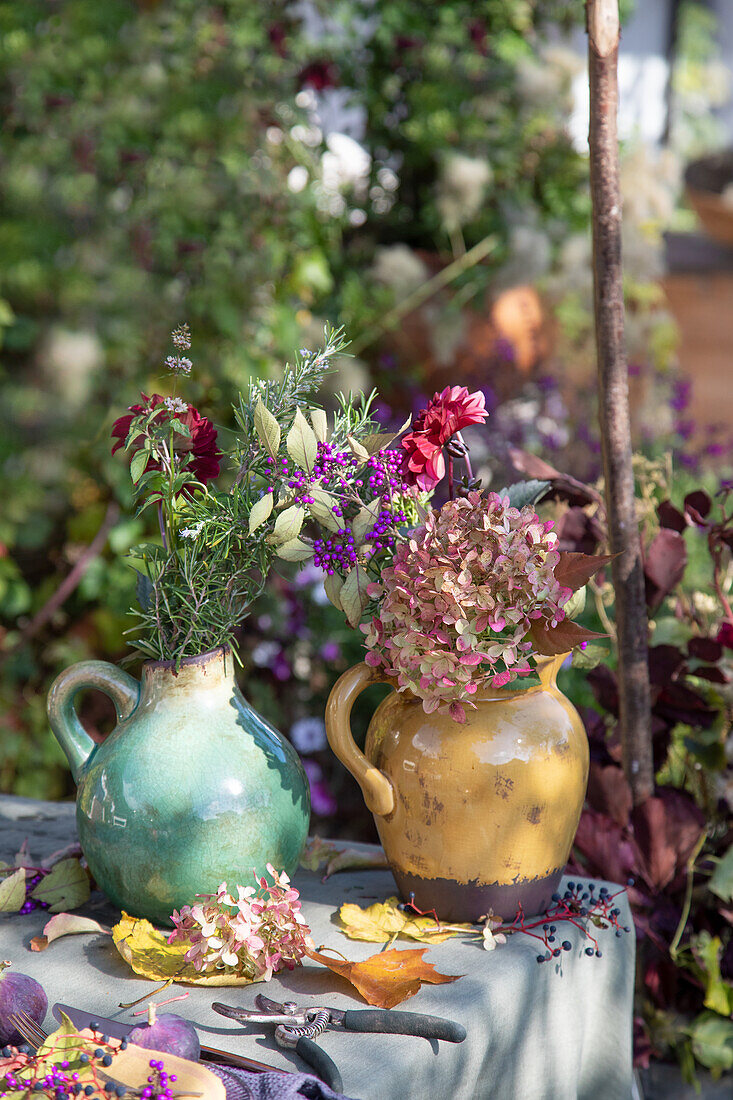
(382, 921)
(132, 1067)
(389, 977)
(149, 954)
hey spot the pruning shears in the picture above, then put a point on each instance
(298, 1028)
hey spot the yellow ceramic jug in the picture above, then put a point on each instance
(473, 817)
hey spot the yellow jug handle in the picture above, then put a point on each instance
(375, 786)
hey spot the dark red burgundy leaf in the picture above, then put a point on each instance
(608, 791)
(705, 649)
(697, 506)
(575, 570)
(564, 487)
(596, 730)
(677, 703)
(671, 517)
(664, 566)
(666, 829)
(532, 466)
(606, 847)
(578, 532)
(560, 639)
(666, 663)
(712, 674)
(605, 688)
(725, 635)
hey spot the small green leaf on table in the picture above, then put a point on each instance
(12, 892)
(65, 887)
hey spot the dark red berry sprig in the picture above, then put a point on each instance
(579, 906)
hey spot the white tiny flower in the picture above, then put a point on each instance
(178, 364)
(192, 532)
(175, 405)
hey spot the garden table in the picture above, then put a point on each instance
(558, 1030)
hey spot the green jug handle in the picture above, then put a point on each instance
(122, 689)
(375, 786)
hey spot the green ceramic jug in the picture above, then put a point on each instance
(192, 788)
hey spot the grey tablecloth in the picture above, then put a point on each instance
(559, 1030)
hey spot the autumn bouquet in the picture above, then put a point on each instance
(448, 599)
(295, 484)
(471, 595)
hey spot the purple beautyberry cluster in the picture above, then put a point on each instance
(335, 552)
(381, 535)
(31, 881)
(157, 1087)
(330, 464)
(382, 472)
(32, 1073)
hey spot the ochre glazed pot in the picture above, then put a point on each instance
(472, 817)
(191, 789)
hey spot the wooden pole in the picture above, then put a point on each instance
(626, 567)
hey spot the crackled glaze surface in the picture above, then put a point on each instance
(191, 789)
(477, 816)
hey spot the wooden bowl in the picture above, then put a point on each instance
(705, 181)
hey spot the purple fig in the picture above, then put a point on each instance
(19, 993)
(167, 1033)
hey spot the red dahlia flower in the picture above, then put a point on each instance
(449, 412)
(201, 443)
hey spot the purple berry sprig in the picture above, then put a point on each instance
(579, 905)
(81, 1071)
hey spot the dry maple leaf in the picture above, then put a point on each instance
(388, 978)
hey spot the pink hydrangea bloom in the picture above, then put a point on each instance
(458, 600)
(255, 934)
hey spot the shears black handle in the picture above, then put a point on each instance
(387, 1022)
(323, 1066)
